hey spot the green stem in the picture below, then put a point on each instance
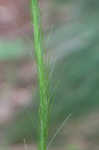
(42, 76)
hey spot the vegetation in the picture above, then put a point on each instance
(75, 51)
(42, 76)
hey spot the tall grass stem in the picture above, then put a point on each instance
(42, 75)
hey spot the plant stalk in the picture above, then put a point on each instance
(42, 75)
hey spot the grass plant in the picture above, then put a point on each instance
(42, 76)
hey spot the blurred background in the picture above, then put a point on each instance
(71, 38)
